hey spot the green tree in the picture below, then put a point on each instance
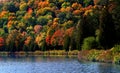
(42, 20)
(89, 43)
(72, 41)
(107, 30)
(29, 20)
(10, 6)
(23, 7)
(91, 21)
(66, 43)
(104, 2)
(80, 33)
(88, 2)
(1, 6)
(116, 16)
(65, 4)
(10, 41)
(68, 24)
(2, 32)
(62, 17)
(24, 1)
(3, 21)
(20, 13)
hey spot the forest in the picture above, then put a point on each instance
(30, 25)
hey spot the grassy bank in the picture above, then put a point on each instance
(43, 53)
(106, 56)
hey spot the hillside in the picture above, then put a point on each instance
(29, 25)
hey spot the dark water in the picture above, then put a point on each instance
(38, 64)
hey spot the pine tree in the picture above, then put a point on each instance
(107, 31)
(80, 33)
(66, 43)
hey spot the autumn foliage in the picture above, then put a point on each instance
(2, 42)
(44, 24)
(57, 38)
(43, 4)
(48, 39)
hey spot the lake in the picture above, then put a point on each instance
(53, 64)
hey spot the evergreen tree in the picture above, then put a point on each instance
(116, 16)
(43, 47)
(72, 41)
(80, 32)
(66, 43)
(107, 31)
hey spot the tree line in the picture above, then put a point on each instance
(29, 25)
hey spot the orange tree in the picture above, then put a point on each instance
(57, 39)
(2, 43)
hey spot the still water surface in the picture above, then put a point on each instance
(40, 64)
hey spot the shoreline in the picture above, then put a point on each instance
(42, 53)
(104, 56)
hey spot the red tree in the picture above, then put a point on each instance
(57, 38)
(1, 41)
(48, 39)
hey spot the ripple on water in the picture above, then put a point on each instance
(53, 65)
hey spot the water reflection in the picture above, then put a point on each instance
(108, 68)
(54, 64)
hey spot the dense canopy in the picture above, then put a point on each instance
(29, 25)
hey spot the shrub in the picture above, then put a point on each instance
(116, 59)
(89, 43)
(93, 54)
(105, 56)
(116, 48)
(74, 52)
